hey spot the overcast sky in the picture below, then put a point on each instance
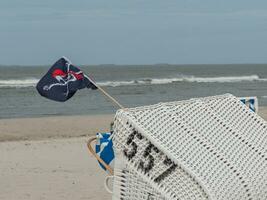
(133, 31)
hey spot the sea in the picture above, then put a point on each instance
(131, 85)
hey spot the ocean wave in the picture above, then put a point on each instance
(31, 82)
(18, 83)
(226, 79)
(191, 79)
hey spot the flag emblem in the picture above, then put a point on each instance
(62, 81)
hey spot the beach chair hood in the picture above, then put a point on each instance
(204, 148)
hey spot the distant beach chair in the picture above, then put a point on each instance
(205, 148)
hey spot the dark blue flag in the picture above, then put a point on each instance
(62, 81)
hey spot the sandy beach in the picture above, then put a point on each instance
(52, 169)
(47, 158)
(53, 127)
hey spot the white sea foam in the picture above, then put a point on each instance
(31, 82)
(229, 79)
(116, 83)
(161, 81)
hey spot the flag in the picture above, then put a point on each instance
(104, 149)
(62, 81)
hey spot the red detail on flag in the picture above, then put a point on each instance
(77, 76)
(58, 72)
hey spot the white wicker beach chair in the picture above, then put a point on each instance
(103, 147)
(207, 148)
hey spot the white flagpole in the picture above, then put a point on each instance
(114, 101)
(110, 97)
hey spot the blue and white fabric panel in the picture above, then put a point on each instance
(104, 149)
(251, 102)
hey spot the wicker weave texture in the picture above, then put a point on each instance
(206, 148)
(129, 184)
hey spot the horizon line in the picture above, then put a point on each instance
(156, 64)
